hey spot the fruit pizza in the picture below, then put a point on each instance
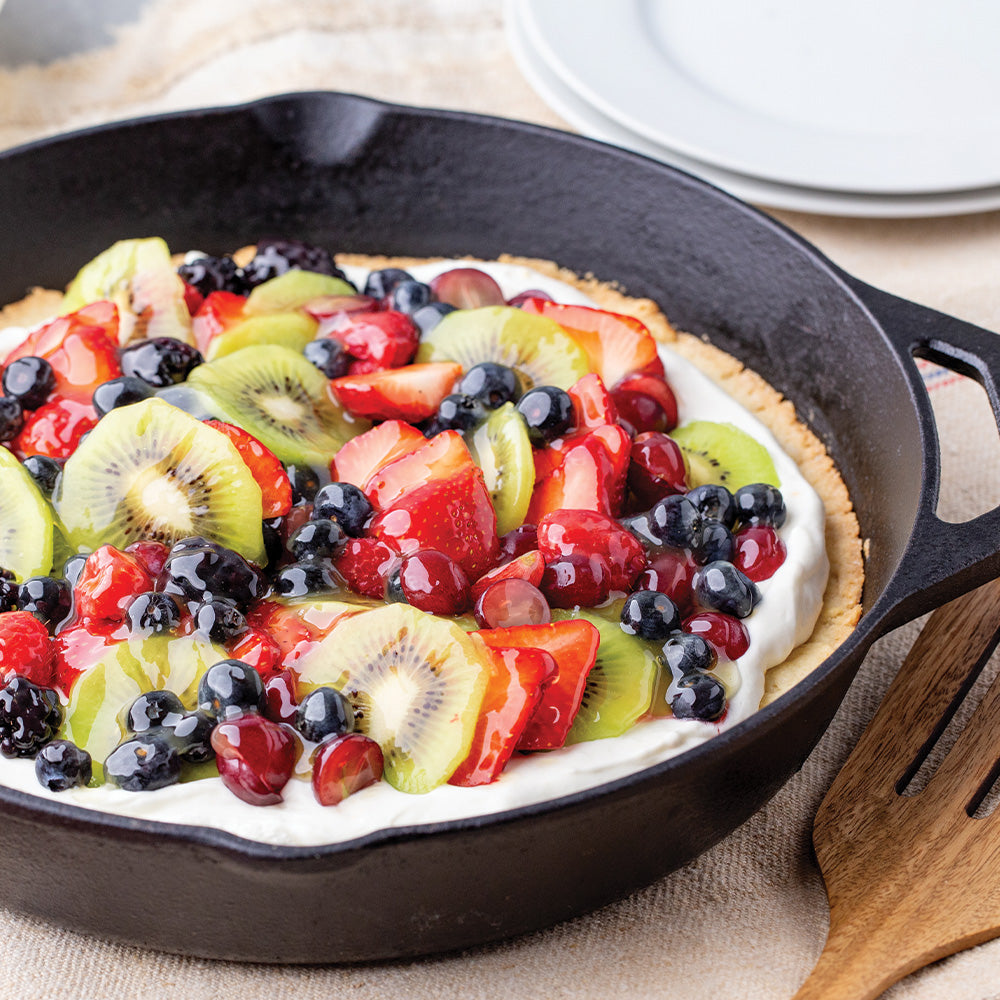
(288, 530)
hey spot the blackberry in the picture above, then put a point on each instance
(198, 570)
(229, 688)
(548, 412)
(760, 503)
(381, 283)
(29, 717)
(8, 590)
(29, 380)
(153, 613)
(49, 599)
(276, 256)
(675, 521)
(346, 504)
(120, 392)
(720, 586)
(213, 274)
(219, 619)
(153, 709)
(143, 763)
(317, 539)
(324, 712)
(61, 764)
(160, 361)
(698, 696)
(11, 418)
(491, 383)
(328, 356)
(428, 316)
(650, 615)
(44, 470)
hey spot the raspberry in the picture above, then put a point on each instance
(108, 584)
(259, 650)
(365, 564)
(26, 648)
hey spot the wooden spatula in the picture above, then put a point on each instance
(912, 879)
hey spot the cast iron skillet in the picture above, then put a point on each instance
(350, 173)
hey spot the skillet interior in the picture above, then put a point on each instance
(353, 174)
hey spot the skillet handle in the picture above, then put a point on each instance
(943, 559)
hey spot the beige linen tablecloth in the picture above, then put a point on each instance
(748, 918)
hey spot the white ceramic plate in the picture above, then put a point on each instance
(593, 123)
(892, 97)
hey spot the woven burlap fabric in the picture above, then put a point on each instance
(748, 918)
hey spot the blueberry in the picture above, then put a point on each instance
(49, 599)
(491, 383)
(324, 712)
(409, 296)
(276, 256)
(44, 470)
(188, 399)
(120, 392)
(760, 503)
(650, 615)
(143, 763)
(191, 735)
(153, 614)
(394, 593)
(160, 361)
(298, 579)
(30, 715)
(197, 570)
(274, 546)
(213, 274)
(720, 586)
(717, 543)
(687, 654)
(698, 696)
(305, 483)
(639, 525)
(153, 708)
(229, 688)
(328, 356)
(219, 619)
(428, 316)
(73, 567)
(381, 283)
(675, 521)
(714, 502)
(29, 380)
(547, 411)
(346, 504)
(11, 418)
(317, 539)
(61, 765)
(459, 413)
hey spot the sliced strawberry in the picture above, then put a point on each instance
(264, 466)
(592, 403)
(54, 429)
(85, 359)
(573, 645)
(219, 312)
(646, 402)
(512, 695)
(586, 472)
(296, 628)
(328, 306)
(365, 563)
(110, 581)
(361, 457)
(530, 566)
(585, 532)
(440, 458)
(42, 342)
(412, 393)
(381, 340)
(454, 515)
(26, 649)
(78, 648)
(616, 345)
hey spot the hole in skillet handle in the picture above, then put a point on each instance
(943, 559)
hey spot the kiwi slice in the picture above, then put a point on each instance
(126, 670)
(151, 471)
(619, 686)
(292, 290)
(416, 683)
(275, 394)
(109, 274)
(537, 348)
(723, 454)
(502, 449)
(289, 329)
(26, 522)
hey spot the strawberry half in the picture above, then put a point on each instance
(454, 515)
(55, 429)
(440, 458)
(377, 340)
(264, 466)
(110, 581)
(412, 393)
(592, 403)
(616, 345)
(46, 339)
(363, 456)
(219, 312)
(512, 695)
(573, 645)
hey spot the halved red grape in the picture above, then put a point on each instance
(344, 765)
(577, 580)
(511, 602)
(670, 573)
(432, 581)
(255, 757)
(467, 288)
(656, 468)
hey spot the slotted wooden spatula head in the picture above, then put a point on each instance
(913, 878)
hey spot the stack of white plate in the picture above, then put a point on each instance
(888, 108)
